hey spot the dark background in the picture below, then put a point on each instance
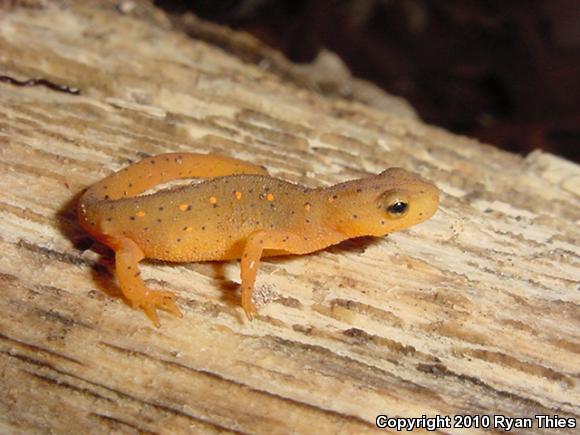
(504, 71)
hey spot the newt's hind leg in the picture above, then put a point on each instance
(253, 250)
(127, 257)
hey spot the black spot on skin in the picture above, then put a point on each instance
(107, 197)
(109, 219)
(178, 240)
(152, 161)
(214, 206)
(246, 255)
(137, 274)
(105, 187)
(257, 222)
(334, 196)
(421, 214)
(261, 241)
(271, 225)
(146, 229)
(189, 207)
(272, 206)
(161, 208)
(130, 184)
(307, 221)
(203, 228)
(184, 228)
(355, 216)
(159, 220)
(129, 268)
(305, 190)
(359, 190)
(292, 212)
(305, 238)
(132, 218)
(382, 222)
(251, 190)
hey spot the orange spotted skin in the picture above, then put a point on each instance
(237, 212)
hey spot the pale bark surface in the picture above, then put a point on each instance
(474, 312)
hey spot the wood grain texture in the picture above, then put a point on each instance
(475, 311)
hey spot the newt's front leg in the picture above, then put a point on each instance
(255, 246)
(127, 257)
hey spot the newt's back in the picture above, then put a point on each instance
(210, 220)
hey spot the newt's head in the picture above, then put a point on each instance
(393, 200)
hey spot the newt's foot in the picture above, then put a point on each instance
(249, 308)
(154, 300)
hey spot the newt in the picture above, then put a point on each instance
(236, 212)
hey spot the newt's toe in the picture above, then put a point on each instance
(249, 309)
(155, 300)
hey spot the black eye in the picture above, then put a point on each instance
(397, 208)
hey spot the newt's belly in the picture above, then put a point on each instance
(204, 252)
(186, 247)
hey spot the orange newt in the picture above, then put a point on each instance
(238, 212)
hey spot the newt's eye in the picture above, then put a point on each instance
(395, 203)
(397, 209)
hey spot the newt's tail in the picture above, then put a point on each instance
(149, 172)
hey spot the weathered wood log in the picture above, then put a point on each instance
(474, 312)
